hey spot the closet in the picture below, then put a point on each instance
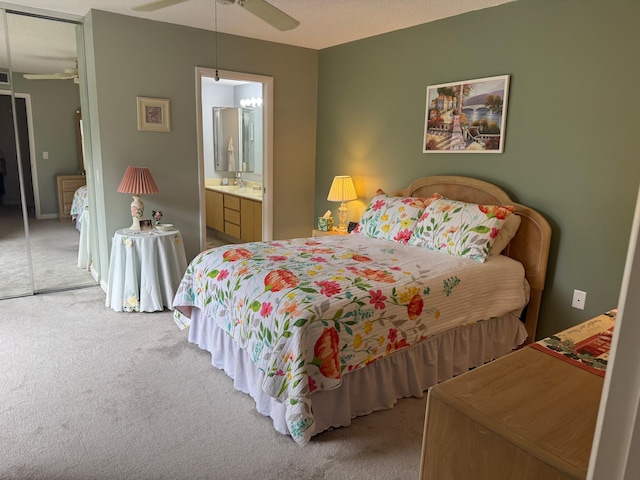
(39, 115)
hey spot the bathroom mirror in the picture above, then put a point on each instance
(233, 139)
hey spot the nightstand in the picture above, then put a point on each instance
(527, 415)
(145, 270)
(320, 233)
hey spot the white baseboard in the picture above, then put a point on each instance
(47, 216)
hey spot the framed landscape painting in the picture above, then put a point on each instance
(467, 116)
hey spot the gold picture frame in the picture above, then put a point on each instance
(153, 114)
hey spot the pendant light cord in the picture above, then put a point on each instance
(215, 14)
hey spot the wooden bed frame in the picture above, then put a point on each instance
(530, 246)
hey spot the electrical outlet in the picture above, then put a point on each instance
(579, 299)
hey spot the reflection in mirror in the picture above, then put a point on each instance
(233, 138)
(80, 142)
(15, 275)
(45, 87)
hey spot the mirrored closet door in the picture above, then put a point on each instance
(45, 194)
(15, 275)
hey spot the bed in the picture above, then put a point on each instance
(321, 330)
(79, 205)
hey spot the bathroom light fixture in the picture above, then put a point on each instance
(137, 181)
(342, 190)
(251, 102)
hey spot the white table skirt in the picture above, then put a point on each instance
(84, 247)
(145, 270)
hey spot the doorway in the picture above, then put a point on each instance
(250, 177)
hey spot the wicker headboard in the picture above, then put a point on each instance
(530, 246)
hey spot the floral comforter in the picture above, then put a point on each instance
(80, 202)
(308, 311)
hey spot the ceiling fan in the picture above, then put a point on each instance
(67, 74)
(260, 8)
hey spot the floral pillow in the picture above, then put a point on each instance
(507, 232)
(392, 218)
(460, 228)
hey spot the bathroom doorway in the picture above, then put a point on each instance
(235, 145)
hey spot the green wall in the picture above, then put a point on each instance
(53, 105)
(129, 57)
(570, 142)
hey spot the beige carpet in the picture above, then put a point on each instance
(54, 250)
(88, 393)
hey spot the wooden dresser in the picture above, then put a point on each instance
(67, 186)
(526, 416)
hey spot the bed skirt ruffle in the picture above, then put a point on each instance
(405, 373)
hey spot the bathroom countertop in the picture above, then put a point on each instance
(246, 192)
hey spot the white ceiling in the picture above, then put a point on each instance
(323, 23)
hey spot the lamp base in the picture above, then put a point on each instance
(135, 225)
(342, 215)
(137, 210)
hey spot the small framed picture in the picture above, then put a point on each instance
(145, 225)
(153, 114)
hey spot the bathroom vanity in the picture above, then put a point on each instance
(235, 212)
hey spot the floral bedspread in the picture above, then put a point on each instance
(80, 202)
(310, 310)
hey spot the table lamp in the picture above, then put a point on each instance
(342, 190)
(137, 181)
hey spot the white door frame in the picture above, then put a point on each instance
(267, 147)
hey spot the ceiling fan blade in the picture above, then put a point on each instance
(54, 76)
(270, 14)
(150, 7)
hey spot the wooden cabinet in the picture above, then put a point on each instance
(235, 216)
(67, 186)
(215, 210)
(250, 220)
(528, 416)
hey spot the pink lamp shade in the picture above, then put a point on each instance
(137, 181)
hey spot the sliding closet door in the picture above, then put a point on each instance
(15, 268)
(43, 106)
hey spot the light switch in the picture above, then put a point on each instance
(45, 155)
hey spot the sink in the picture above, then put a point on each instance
(225, 188)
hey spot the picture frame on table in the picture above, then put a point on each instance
(154, 114)
(466, 116)
(145, 225)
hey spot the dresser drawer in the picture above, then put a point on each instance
(232, 216)
(71, 185)
(231, 229)
(67, 186)
(232, 202)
